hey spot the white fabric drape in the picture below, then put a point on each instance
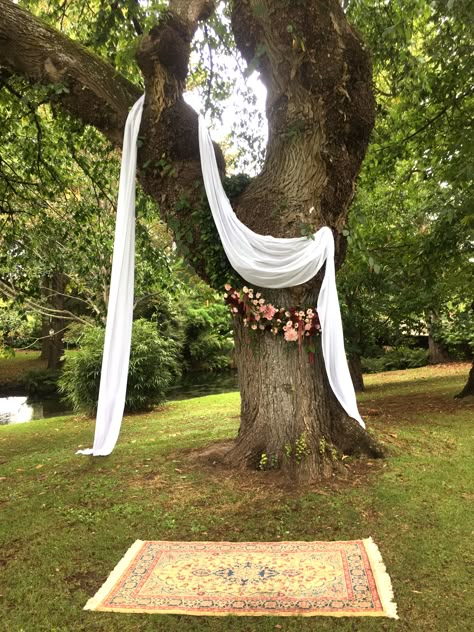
(118, 331)
(272, 262)
(260, 259)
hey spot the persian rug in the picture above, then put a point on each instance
(337, 579)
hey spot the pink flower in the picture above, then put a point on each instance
(257, 316)
(307, 327)
(227, 287)
(268, 311)
(291, 335)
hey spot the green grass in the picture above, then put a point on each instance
(13, 368)
(66, 520)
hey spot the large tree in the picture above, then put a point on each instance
(320, 110)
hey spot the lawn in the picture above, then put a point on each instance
(13, 369)
(66, 520)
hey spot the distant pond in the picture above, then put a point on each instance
(16, 409)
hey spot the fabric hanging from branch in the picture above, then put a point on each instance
(118, 330)
(262, 260)
(278, 262)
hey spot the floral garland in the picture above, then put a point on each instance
(297, 325)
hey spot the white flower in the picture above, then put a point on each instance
(254, 326)
(258, 295)
(245, 289)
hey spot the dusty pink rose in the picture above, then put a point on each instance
(268, 311)
(291, 335)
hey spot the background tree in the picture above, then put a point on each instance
(410, 256)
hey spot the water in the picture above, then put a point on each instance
(20, 409)
(199, 384)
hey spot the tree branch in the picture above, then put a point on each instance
(91, 88)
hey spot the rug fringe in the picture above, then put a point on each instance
(382, 578)
(95, 601)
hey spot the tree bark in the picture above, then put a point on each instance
(355, 368)
(290, 419)
(320, 109)
(469, 386)
(53, 328)
(437, 352)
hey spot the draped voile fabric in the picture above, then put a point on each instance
(276, 262)
(118, 330)
(262, 260)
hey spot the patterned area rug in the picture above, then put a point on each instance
(337, 579)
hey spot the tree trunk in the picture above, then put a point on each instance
(290, 419)
(52, 328)
(45, 338)
(437, 352)
(355, 368)
(469, 386)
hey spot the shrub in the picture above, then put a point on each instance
(398, 358)
(154, 365)
(208, 342)
(41, 382)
